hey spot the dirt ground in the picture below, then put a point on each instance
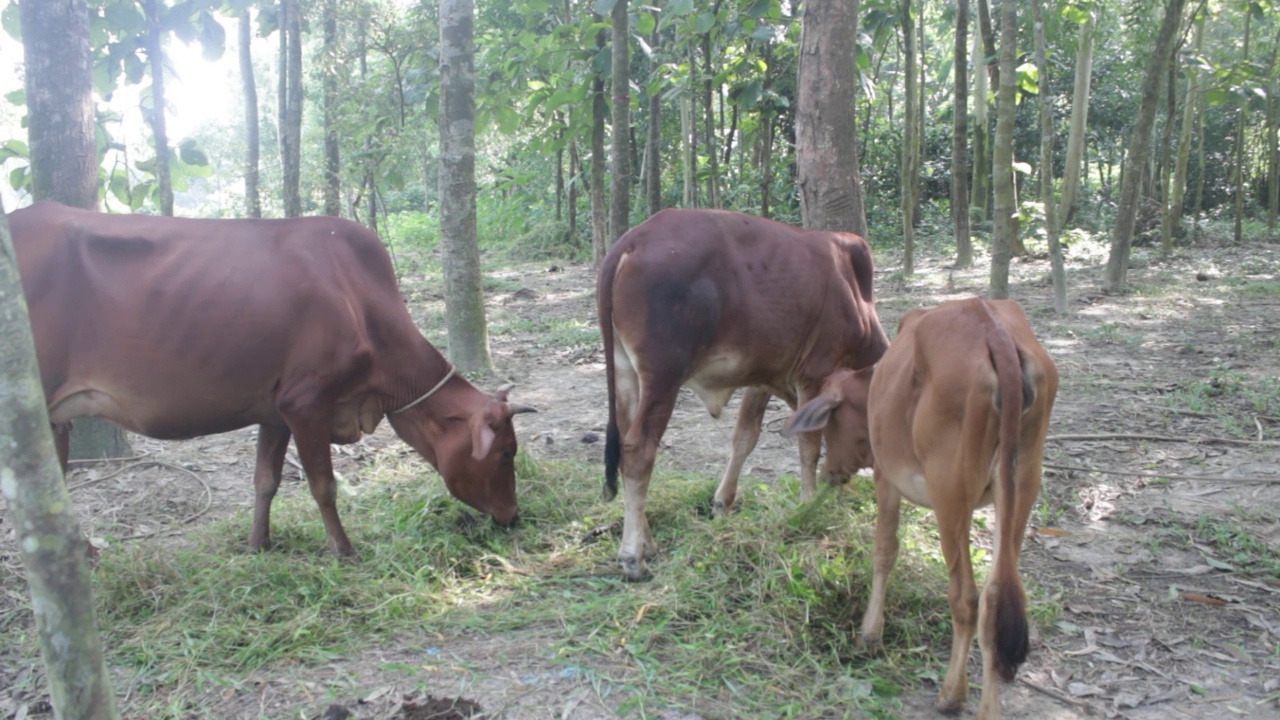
(1153, 623)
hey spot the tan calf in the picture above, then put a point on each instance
(953, 417)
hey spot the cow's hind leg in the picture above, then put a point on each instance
(639, 451)
(273, 441)
(954, 519)
(888, 512)
(746, 433)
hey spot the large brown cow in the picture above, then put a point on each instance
(718, 301)
(953, 417)
(175, 328)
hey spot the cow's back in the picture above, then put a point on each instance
(136, 318)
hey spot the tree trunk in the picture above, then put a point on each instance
(981, 194)
(599, 211)
(463, 288)
(155, 57)
(1139, 150)
(1237, 167)
(575, 178)
(1046, 165)
(1273, 139)
(708, 71)
(60, 134)
(332, 160)
(253, 203)
(1004, 216)
(1173, 218)
(48, 529)
(620, 200)
(826, 157)
(1079, 122)
(688, 154)
(959, 140)
(293, 186)
(910, 154)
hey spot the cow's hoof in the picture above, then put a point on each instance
(634, 569)
(949, 705)
(870, 646)
(720, 509)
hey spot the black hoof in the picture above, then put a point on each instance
(634, 570)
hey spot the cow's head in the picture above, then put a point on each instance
(469, 437)
(840, 411)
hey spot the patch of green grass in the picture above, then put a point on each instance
(756, 613)
(1257, 289)
(550, 331)
(1232, 397)
(1113, 334)
(1238, 545)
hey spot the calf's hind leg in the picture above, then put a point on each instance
(746, 433)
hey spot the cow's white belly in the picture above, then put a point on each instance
(716, 381)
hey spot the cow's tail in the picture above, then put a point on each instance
(612, 441)
(1015, 394)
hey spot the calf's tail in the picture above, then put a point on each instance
(612, 441)
(1015, 393)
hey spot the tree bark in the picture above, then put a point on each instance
(64, 156)
(1173, 218)
(1079, 122)
(599, 108)
(332, 159)
(826, 156)
(253, 203)
(981, 194)
(464, 290)
(1004, 215)
(910, 153)
(48, 530)
(1237, 168)
(1058, 270)
(290, 105)
(620, 200)
(155, 56)
(960, 138)
(1116, 278)
(708, 72)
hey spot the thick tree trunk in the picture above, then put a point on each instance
(826, 158)
(910, 153)
(252, 201)
(599, 211)
(332, 159)
(960, 138)
(155, 56)
(1079, 122)
(620, 200)
(1273, 139)
(1046, 166)
(48, 530)
(1004, 215)
(64, 157)
(1139, 150)
(464, 291)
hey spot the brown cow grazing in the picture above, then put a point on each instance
(176, 328)
(718, 301)
(954, 418)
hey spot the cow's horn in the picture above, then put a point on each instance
(517, 408)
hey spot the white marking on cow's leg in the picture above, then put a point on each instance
(888, 511)
(273, 441)
(746, 433)
(953, 530)
(651, 413)
(810, 449)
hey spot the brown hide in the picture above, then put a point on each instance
(176, 328)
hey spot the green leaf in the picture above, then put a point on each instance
(13, 149)
(124, 18)
(760, 9)
(706, 21)
(680, 7)
(1076, 14)
(645, 23)
(604, 7)
(1216, 96)
(213, 38)
(191, 153)
(17, 97)
(119, 186)
(19, 177)
(12, 21)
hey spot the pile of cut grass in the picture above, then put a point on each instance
(752, 615)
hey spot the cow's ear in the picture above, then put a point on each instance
(811, 416)
(482, 437)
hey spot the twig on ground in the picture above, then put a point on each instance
(1166, 476)
(94, 461)
(1061, 697)
(1163, 438)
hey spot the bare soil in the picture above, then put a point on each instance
(1154, 618)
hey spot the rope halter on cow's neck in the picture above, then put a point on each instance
(452, 371)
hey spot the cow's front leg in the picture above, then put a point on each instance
(746, 433)
(885, 554)
(810, 449)
(311, 435)
(273, 441)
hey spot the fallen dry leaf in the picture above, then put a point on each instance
(1197, 597)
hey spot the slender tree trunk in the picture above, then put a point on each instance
(910, 154)
(599, 209)
(575, 178)
(708, 71)
(620, 200)
(1046, 165)
(688, 153)
(293, 175)
(60, 134)
(1004, 217)
(959, 139)
(1079, 122)
(253, 203)
(653, 139)
(1237, 167)
(464, 290)
(1173, 218)
(1139, 150)
(332, 160)
(981, 194)
(826, 161)
(1273, 139)
(282, 100)
(155, 56)
(48, 529)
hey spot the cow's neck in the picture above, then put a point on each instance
(416, 373)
